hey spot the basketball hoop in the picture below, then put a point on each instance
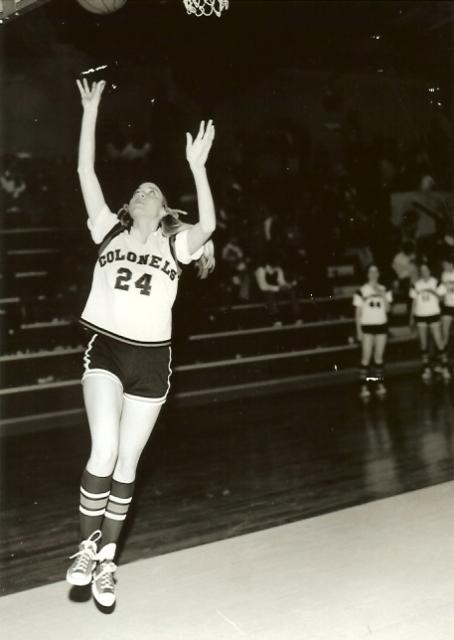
(206, 7)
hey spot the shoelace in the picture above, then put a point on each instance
(85, 556)
(87, 553)
(105, 576)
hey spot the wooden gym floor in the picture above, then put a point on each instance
(213, 474)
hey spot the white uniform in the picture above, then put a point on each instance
(447, 280)
(134, 284)
(372, 304)
(427, 294)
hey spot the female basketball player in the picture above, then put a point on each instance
(372, 302)
(127, 360)
(426, 293)
(447, 279)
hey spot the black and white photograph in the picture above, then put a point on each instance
(226, 319)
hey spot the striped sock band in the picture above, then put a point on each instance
(94, 494)
(116, 510)
(425, 359)
(379, 372)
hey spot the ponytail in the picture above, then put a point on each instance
(206, 263)
(124, 217)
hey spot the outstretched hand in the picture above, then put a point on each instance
(91, 97)
(197, 150)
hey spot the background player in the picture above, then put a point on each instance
(447, 280)
(372, 302)
(127, 361)
(426, 294)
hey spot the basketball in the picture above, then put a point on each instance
(102, 6)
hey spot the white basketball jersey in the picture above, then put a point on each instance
(447, 279)
(426, 294)
(134, 284)
(372, 304)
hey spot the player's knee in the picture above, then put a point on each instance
(125, 468)
(102, 460)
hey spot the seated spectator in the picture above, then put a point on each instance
(236, 264)
(272, 284)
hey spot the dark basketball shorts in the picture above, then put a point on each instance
(143, 372)
(447, 311)
(428, 320)
(375, 329)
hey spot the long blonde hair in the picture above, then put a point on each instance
(171, 225)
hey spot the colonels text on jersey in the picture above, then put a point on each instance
(134, 284)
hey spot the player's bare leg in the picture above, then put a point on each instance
(442, 366)
(367, 346)
(423, 333)
(103, 397)
(137, 421)
(446, 324)
(379, 352)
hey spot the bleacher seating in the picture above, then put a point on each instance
(227, 347)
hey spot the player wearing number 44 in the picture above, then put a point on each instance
(129, 315)
(372, 302)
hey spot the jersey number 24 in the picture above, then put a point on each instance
(124, 276)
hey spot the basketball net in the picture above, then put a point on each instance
(206, 7)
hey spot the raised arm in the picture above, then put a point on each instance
(91, 189)
(196, 154)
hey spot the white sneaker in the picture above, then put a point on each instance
(381, 389)
(364, 394)
(81, 571)
(103, 585)
(427, 374)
